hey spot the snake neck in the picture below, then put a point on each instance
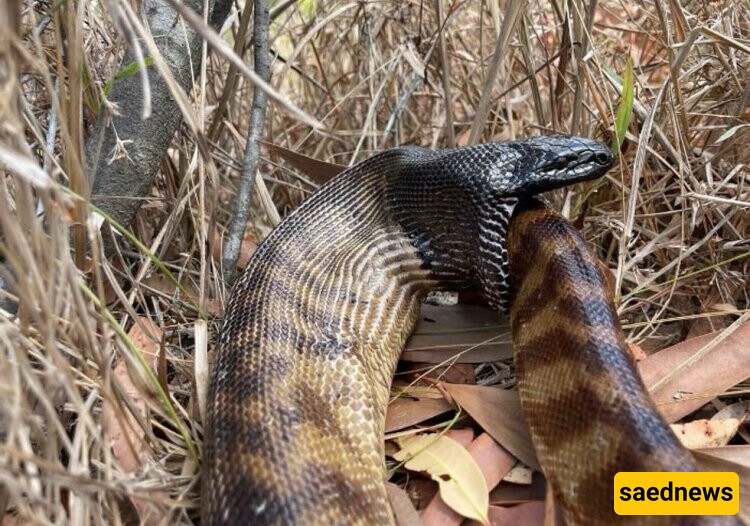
(458, 228)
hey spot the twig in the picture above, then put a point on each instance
(236, 228)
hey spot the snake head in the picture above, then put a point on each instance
(539, 164)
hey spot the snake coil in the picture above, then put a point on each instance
(315, 325)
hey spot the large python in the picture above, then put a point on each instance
(314, 328)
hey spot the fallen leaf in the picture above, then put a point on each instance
(637, 351)
(706, 433)
(421, 491)
(403, 509)
(499, 413)
(464, 333)
(121, 427)
(494, 462)
(162, 284)
(528, 514)
(462, 485)
(724, 366)
(456, 373)
(484, 353)
(492, 458)
(317, 170)
(714, 305)
(463, 436)
(247, 248)
(416, 390)
(508, 493)
(739, 455)
(405, 412)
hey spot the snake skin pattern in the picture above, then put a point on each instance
(589, 413)
(314, 327)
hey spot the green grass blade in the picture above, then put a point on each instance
(625, 111)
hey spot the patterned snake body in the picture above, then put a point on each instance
(314, 327)
(589, 413)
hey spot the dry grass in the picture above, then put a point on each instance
(672, 219)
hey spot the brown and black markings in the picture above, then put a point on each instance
(291, 323)
(580, 390)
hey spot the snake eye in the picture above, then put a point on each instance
(602, 158)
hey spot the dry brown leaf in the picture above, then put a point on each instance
(490, 352)
(499, 413)
(706, 433)
(463, 436)
(444, 332)
(456, 373)
(507, 493)
(122, 428)
(161, 283)
(735, 454)
(215, 307)
(416, 390)
(494, 460)
(415, 373)
(318, 171)
(637, 351)
(404, 412)
(527, 514)
(707, 324)
(421, 491)
(724, 366)
(403, 510)
(124, 432)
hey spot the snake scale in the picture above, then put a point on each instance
(314, 327)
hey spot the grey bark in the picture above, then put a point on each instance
(120, 182)
(238, 222)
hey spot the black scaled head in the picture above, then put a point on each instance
(548, 162)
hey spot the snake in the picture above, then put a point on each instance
(314, 326)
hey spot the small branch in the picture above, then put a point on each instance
(236, 228)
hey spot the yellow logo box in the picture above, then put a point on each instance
(677, 493)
